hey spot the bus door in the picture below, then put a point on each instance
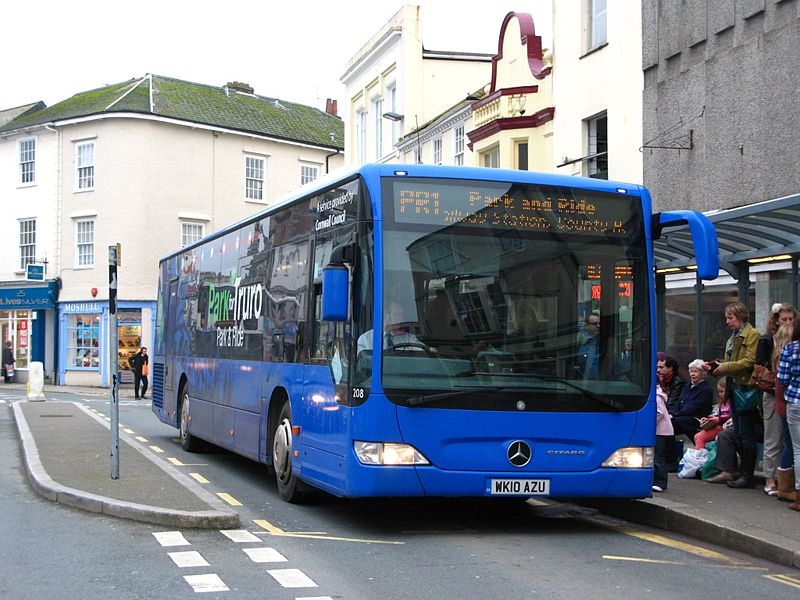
(328, 371)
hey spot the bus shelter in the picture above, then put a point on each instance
(759, 245)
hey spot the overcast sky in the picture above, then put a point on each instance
(294, 50)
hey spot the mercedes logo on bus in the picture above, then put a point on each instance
(519, 453)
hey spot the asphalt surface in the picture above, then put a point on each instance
(61, 442)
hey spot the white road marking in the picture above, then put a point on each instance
(264, 555)
(314, 598)
(131, 431)
(206, 583)
(141, 439)
(156, 449)
(171, 538)
(239, 535)
(190, 558)
(292, 578)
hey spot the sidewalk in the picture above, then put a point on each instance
(61, 443)
(66, 454)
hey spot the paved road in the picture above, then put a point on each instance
(364, 549)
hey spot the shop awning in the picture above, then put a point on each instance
(759, 232)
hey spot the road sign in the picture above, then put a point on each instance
(34, 272)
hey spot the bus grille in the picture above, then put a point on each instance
(158, 385)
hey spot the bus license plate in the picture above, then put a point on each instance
(520, 487)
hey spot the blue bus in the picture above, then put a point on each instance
(416, 330)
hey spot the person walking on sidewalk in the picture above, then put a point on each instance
(8, 362)
(789, 378)
(740, 357)
(140, 364)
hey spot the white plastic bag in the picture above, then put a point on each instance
(691, 462)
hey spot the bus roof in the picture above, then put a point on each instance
(376, 171)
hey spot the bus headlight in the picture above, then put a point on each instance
(380, 453)
(633, 457)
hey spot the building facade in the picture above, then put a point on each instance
(721, 131)
(153, 164)
(394, 86)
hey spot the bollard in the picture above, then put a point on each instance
(35, 382)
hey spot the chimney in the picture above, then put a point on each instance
(330, 107)
(238, 86)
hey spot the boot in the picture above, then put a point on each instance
(786, 489)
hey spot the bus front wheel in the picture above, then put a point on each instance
(290, 487)
(188, 441)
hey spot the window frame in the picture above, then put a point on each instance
(185, 235)
(85, 171)
(458, 144)
(79, 242)
(27, 161)
(596, 18)
(376, 108)
(437, 151)
(27, 243)
(304, 178)
(596, 148)
(252, 192)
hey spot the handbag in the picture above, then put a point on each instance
(762, 379)
(745, 399)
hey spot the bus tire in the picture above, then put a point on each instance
(290, 487)
(188, 442)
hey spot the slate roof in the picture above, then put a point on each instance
(216, 106)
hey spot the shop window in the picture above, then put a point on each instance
(83, 341)
(129, 335)
(15, 326)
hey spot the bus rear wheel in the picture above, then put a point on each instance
(290, 487)
(188, 441)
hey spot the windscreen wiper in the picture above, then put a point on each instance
(425, 399)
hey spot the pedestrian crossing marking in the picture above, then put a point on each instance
(239, 536)
(171, 538)
(264, 555)
(190, 558)
(292, 578)
(206, 583)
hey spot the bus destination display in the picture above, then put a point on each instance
(524, 207)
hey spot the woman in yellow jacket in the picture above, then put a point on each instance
(740, 357)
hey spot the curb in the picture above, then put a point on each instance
(44, 485)
(681, 518)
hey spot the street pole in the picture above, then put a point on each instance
(113, 351)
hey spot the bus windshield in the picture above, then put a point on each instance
(503, 296)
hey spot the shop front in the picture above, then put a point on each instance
(27, 318)
(84, 335)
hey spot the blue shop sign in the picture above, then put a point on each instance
(29, 297)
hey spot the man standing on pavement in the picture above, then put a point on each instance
(8, 362)
(140, 364)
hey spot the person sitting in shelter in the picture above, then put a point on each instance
(713, 423)
(695, 401)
